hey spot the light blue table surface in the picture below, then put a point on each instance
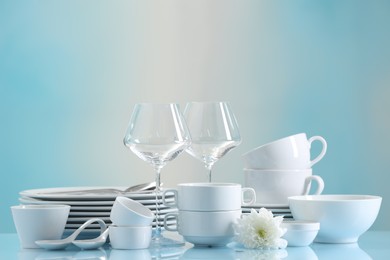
(371, 245)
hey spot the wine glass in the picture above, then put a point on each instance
(157, 134)
(214, 131)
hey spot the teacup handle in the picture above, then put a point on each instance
(320, 183)
(170, 215)
(252, 199)
(324, 147)
(170, 204)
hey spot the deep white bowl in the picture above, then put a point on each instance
(343, 218)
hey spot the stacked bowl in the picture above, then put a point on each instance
(131, 224)
(207, 211)
(282, 168)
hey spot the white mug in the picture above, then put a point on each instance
(207, 228)
(292, 152)
(275, 186)
(210, 196)
(39, 222)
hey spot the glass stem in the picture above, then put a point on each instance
(209, 166)
(157, 191)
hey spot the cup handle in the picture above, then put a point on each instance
(170, 204)
(324, 147)
(252, 195)
(170, 215)
(320, 183)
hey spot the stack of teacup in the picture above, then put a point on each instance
(207, 211)
(282, 168)
(131, 224)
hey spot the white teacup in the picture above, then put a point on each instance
(126, 237)
(128, 212)
(209, 228)
(210, 196)
(292, 152)
(39, 222)
(275, 186)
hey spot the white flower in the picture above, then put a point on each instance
(260, 230)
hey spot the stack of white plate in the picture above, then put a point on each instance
(277, 210)
(94, 204)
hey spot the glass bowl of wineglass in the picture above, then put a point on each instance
(214, 131)
(157, 133)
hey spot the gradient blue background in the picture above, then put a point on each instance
(71, 72)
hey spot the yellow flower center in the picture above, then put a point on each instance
(262, 233)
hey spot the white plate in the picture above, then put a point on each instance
(97, 226)
(107, 213)
(88, 204)
(267, 206)
(29, 200)
(60, 194)
(82, 220)
(98, 212)
(89, 214)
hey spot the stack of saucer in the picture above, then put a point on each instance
(94, 204)
(281, 169)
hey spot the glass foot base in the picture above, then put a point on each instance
(158, 242)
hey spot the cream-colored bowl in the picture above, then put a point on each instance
(342, 218)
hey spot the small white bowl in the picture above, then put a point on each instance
(343, 218)
(128, 212)
(300, 233)
(125, 237)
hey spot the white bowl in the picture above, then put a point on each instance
(39, 222)
(128, 212)
(300, 232)
(343, 218)
(126, 237)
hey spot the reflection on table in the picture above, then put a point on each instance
(372, 245)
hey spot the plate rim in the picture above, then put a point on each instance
(44, 193)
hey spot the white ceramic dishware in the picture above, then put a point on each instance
(210, 196)
(209, 228)
(275, 186)
(292, 152)
(37, 222)
(55, 244)
(128, 212)
(127, 237)
(342, 218)
(300, 232)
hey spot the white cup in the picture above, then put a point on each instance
(275, 186)
(126, 237)
(210, 196)
(128, 212)
(292, 152)
(207, 228)
(39, 222)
